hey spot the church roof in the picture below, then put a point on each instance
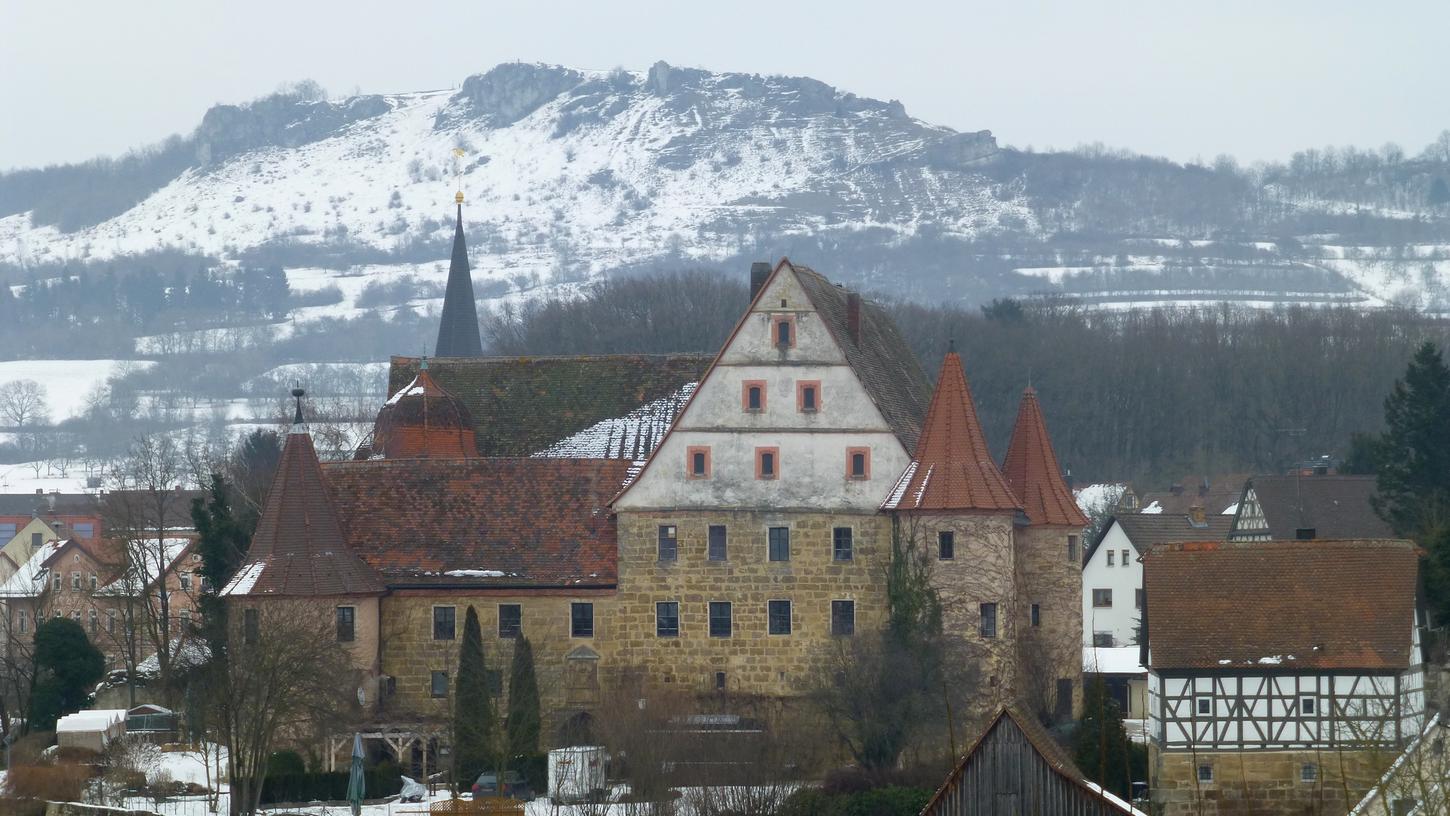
(516, 523)
(458, 329)
(422, 419)
(1032, 471)
(521, 406)
(299, 548)
(952, 468)
(1308, 605)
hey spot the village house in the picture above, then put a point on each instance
(1306, 506)
(1284, 676)
(681, 523)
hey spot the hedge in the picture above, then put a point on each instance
(327, 787)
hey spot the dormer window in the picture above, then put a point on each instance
(767, 463)
(808, 396)
(752, 396)
(783, 331)
(697, 462)
(858, 463)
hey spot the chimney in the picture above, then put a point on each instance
(1176, 489)
(1203, 487)
(759, 271)
(40, 491)
(853, 316)
(1196, 517)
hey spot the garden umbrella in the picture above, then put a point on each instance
(355, 776)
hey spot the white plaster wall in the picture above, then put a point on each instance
(1124, 581)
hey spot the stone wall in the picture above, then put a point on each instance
(1264, 783)
(1052, 650)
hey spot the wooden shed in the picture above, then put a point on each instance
(1015, 767)
(92, 730)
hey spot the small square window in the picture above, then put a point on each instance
(438, 684)
(946, 545)
(1205, 773)
(443, 622)
(752, 396)
(1204, 706)
(767, 463)
(581, 620)
(841, 544)
(697, 462)
(667, 619)
(808, 396)
(720, 622)
(1309, 706)
(1103, 598)
(778, 539)
(346, 624)
(718, 544)
(843, 617)
(669, 546)
(1308, 772)
(1037, 614)
(778, 613)
(1111, 557)
(858, 463)
(988, 628)
(510, 621)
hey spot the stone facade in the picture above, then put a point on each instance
(1263, 783)
(753, 660)
(1049, 576)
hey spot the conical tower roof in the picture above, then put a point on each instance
(1031, 469)
(299, 549)
(423, 420)
(458, 330)
(952, 469)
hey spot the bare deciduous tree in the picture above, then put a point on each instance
(23, 403)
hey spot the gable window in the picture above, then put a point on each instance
(438, 684)
(581, 620)
(778, 543)
(841, 544)
(185, 582)
(697, 458)
(1205, 773)
(1036, 616)
(510, 621)
(1111, 563)
(443, 622)
(767, 463)
(669, 545)
(752, 396)
(783, 331)
(58, 582)
(843, 617)
(1103, 598)
(95, 582)
(667, 619)
(716, 547)
(808, 396)
(858, 463)
(20, 622)
(988, 628)
(75, 580)
(778, 615)
(346, 624)
(251, 627)
(1072, 549)
(36, 539)
(1308, 706)
(720, 621)
(946, 545)
(1203, 706)
(1125, 558)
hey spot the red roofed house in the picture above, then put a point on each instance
(1284, 676)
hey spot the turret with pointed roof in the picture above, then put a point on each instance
(1031, 469)
(952, 468)
(299, 549)
(458, 330)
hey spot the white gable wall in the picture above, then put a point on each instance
(1123, 580)
(813, 446)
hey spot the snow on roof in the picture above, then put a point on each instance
(1152, 509)
(900, 490)
(146, 570)
(1108, 795)
(184, 654)
(1112, 660)
(99, 719)
(1231, 510)
(476, 573)
(636, 433)
(29, 580)
(242, 582)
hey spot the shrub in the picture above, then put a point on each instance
(65, 783)
(283, 763)
(327, 787)
(892, 800)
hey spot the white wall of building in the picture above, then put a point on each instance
(1123, 579)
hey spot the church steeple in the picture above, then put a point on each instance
(458, 331)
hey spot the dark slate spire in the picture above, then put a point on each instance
(458, 331)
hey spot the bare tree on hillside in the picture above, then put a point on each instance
(23, 403)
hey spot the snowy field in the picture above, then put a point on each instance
(67, 382)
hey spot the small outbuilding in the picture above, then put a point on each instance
(92, 730)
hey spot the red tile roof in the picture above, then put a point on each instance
(952, 468)
(299, 549)
(423, 420)
(530, 523)
(1032, 471)
(1281, 604)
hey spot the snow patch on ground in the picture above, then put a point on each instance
(67, 383)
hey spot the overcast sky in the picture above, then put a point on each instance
(1256, 79)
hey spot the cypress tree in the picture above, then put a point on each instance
(474, 722)
(1100, 744)
(523, 711)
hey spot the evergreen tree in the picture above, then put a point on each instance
(474, 723)
(222, 542)
(67, 666)
(1100, 744)
(523, 709)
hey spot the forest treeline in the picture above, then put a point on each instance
(1146, 394)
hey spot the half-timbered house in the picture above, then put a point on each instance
(1283, 675)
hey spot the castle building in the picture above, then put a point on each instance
(700, 526)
